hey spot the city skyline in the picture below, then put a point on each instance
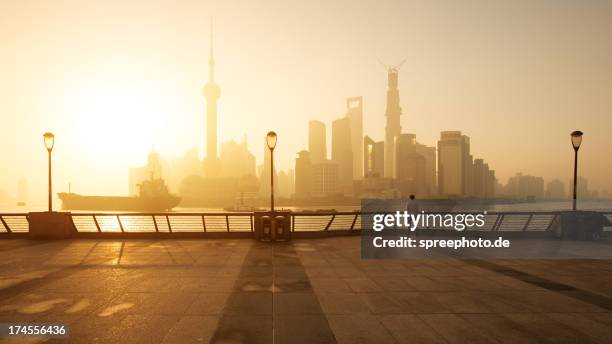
(536, 145)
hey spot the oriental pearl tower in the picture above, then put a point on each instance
(211, 92)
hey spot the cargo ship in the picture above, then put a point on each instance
(153, 196)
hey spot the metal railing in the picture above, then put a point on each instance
(163, 222)
(243, 222)
(14, 223)
(494, 221)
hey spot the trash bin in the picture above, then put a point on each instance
(267, 227)
(272, 226)
(282, 227)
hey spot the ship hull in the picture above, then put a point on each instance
(72, 201)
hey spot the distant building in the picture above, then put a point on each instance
(317, 141)
(354, 111)
(325, 180)
(555, 189)
(373, 157)
(480, 178)
(429, 153)
(291, 176)
(236, 160)
(525, 186)
(409, 167)
(375, 186)
(491, 183)
(453, 161)
(393, 113)
(468, 169)
(303, 174)
(283, 185)
(342, 153)
(182, 167)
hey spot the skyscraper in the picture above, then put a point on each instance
(354, 111)
(342, 153)
(324, 182)
(451, 163)
(303, 174)
(235, 159)
(393, 114)
(317, 141)
(212, 92)
(410, 168)
(373, 158)
(480, 177)
(429, 153)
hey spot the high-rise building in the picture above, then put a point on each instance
(317, 141)
(373, 158)
(480, 177)
(324, 181)
(212, 92)
(409, 166)
(453, 161)
(468, 164)
(393, 113)
(303, 174)
(491, 187)
(555, 189)
(342, 153)
(483, 180)
(291, 175)
(183, 166)
(429, 153)
(283, 185)
(354, 111)
(525, 186)
(236, 160)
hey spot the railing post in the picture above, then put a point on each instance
(227, 222)
(8, 229)
(155, 223)
(168, 222)
(251, 218)
(354, 220)
(330, 222)
(97, 224)
(497, 223)
(120, 224)
(527, 223)
(204, 223)
(292, 223)
(552, 221)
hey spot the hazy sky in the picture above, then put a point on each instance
(113, 79)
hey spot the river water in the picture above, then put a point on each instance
(601, 205)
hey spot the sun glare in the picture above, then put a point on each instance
(119, 125)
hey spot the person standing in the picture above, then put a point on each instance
(413, 206)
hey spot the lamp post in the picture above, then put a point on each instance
(49, 141)
(576, 141)
(271, 142)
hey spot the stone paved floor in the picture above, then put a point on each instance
(308, 291)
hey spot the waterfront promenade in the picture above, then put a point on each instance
(305, 291)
